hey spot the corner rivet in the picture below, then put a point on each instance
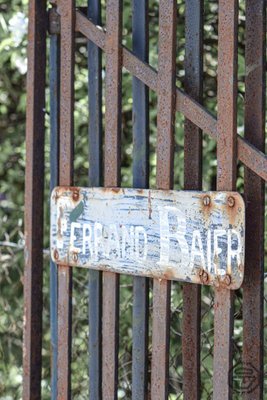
(227, 280)
(75, 257)
(231, 201)
(56, 255)
(206, 200)
(204, 276)
(75, 195)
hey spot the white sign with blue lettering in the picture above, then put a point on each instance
(195, 237)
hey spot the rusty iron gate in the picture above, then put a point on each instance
(65, 23)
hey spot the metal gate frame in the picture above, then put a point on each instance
(65, 20)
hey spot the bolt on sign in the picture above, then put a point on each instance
(188, 236)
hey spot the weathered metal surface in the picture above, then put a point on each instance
(140, 180)
(67, 22)
(253, 286)
(95, 177)
(193, 181)
(113, 93)
(146, 74)
(33, 272)
(250, 150)
(164, 178)
(54, 152)
(254, 159)
(160, 339)
(53, 21)
(226, 180)
(110, 320)
(176, 235)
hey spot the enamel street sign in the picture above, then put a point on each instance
(188, 236)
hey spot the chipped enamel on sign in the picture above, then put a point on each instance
(188, 236)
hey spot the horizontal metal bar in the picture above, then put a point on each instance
(93, 32)
(252, 158)
(191, 109)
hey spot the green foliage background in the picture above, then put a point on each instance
(13, 21)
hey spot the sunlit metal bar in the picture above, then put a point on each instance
(95, 179)
(140, 180)
(226, 180)
(253, 287)
(165, 154)
(112, 178)
(66, 9)
(193, 181)
(34, 186)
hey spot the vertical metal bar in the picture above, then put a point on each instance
(34, 186)
(110, 318)
(193, 181)
(165, 154)
(253, 289)
(95, 175)
(95, 100)
(54, 147)
(66, 10)
(226, 180)
(140, 180)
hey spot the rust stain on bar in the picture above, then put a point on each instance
(251, 157)
(226, 180)
(66, 9)
(184, 103)
(112, 179)
(165, 140)
(254, 159)
(113, 93)
(160, 339)
(253, 286)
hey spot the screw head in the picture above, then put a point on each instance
(227, 280)
(75, 195)
(56, 255)
(204, 276)
(206, 200)
(75, 257)
(231, 201)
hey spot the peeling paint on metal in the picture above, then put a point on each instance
(156, 233)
